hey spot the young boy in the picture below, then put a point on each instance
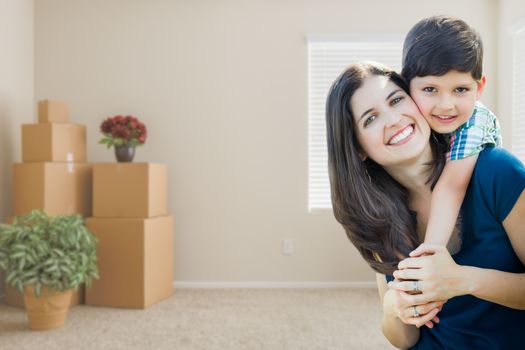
(442, 62)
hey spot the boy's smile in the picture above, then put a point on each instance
(446, 101)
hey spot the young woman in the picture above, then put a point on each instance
(383, 162)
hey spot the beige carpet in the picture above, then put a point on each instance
(215, 319)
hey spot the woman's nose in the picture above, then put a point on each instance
(392, 118)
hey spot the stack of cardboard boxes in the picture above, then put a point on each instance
(53, 175)
(135, 232)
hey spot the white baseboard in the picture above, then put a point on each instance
(272, 285)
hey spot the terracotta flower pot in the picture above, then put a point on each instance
(49, 310)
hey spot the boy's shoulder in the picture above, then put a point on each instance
(481, 109)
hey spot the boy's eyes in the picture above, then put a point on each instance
(461, 90)
(458, 90)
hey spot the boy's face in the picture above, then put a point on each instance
(446, 101)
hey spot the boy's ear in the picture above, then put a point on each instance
(481, 85)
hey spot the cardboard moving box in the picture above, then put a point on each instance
(57, 188)
(129, 190)
(53, 112)
(53, 142)
(135, 261)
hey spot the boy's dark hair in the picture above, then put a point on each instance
(439, 44)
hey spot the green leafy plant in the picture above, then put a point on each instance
(58, 252)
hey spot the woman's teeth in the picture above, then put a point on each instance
(401, 136)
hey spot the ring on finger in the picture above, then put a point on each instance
(415, 286)
(415, 314)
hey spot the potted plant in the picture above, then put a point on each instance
(125, 133)
(46, 258)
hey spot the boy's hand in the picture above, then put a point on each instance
(422, 250)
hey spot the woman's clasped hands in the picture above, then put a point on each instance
(423, 283)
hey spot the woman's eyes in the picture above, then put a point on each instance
(396, 100)
(373, 117)
(369, 119)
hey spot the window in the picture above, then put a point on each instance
(327, 57)
(518, 95)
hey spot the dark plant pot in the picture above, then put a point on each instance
(124, 153)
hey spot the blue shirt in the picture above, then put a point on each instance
(466, 321)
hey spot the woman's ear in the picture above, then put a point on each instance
(481, 85)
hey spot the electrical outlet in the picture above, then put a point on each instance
(287, 246)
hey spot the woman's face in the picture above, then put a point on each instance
(389, 126)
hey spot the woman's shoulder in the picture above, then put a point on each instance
(497, 160)
(498, 179)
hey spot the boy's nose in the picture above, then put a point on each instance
(445, 103)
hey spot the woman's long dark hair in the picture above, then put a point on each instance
(370, 205)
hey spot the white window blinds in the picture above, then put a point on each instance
(326, 60)
(518, 95)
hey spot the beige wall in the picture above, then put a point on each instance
(511, 17)
(16, 89)
(222, 86)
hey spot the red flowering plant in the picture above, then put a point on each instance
(123, 130)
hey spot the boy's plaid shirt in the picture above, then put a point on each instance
(481, 130)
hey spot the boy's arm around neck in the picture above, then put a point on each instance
(447, 197)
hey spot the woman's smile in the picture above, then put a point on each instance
(402, 136)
